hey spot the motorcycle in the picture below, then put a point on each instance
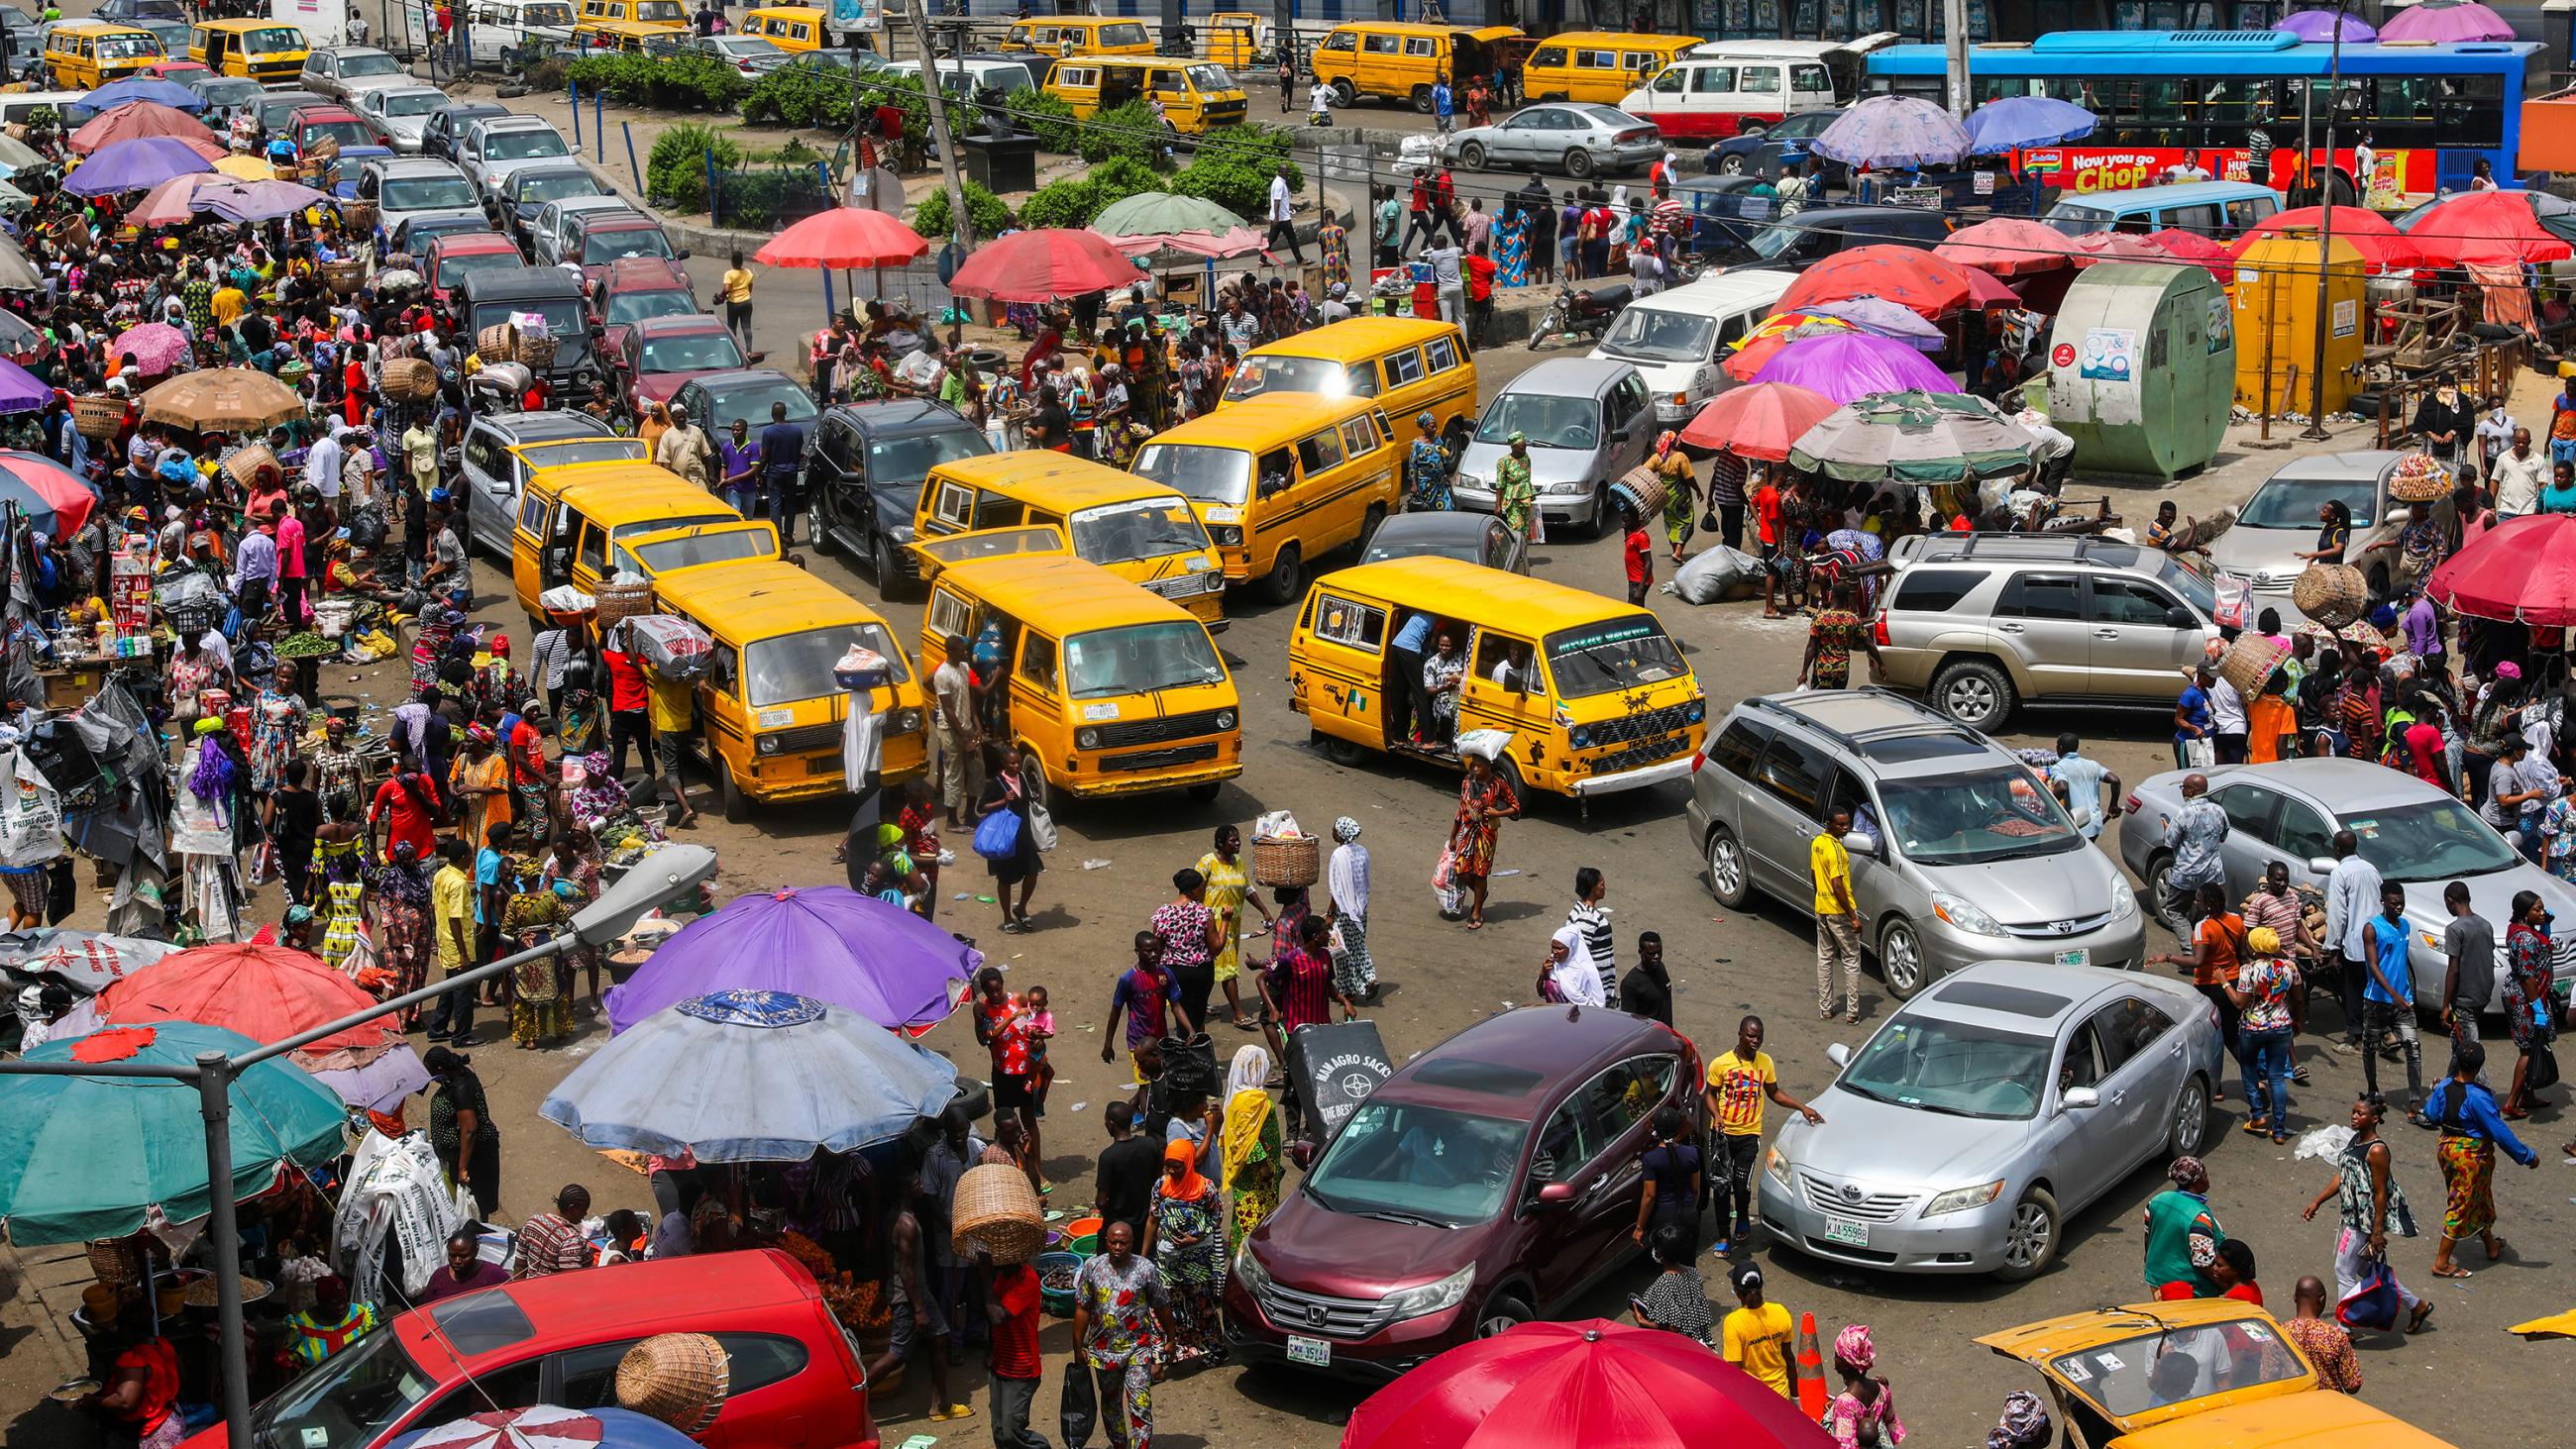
(1581, 315)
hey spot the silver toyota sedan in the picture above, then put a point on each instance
(1987, 1111)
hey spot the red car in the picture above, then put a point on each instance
(1487, 1182)
(312, 123)
(650, 360)
(797, 1378)
(636, 288)
(454, 256)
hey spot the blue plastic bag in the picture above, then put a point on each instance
(998, 836)
(2372, 1304)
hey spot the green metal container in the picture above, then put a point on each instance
(2142, 369)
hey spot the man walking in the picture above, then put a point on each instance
(1740, 1080)
(782, 462)
(1450, 282)
(2352, 894)
(2193, 835)
(959, 746)
(1443, 112)
(2469, 944)
(2092, 790)
(1593, 919)
(1283, 215)
(1837, 918)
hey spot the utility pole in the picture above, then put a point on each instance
(961, 228)
(2316, 428)
(1954, 37)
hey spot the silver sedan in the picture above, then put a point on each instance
(399, 114)
(1984, 1113)
(1580, 140)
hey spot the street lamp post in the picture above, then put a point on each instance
(2316, 429)
(658, 878)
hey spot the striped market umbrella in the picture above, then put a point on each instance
(1915, 437)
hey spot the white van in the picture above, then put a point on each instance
(1675, 337)
(497, 25)
(17, 106)
(1744, 87)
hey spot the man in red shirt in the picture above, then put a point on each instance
(410, 798)
(1639, 550)
(628, 699)
(1480, 295)
(1766, 532)
(1013, 1308)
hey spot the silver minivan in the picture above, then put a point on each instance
(1959, 852)
(1587, 421)
(1674, 337)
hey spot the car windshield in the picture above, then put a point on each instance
(428, 193)
(453, 270)
(2293, 502)
(347, 133)
(1259, 374)
(1620, 653)
(562, 318)
(586, 450)
(1651, 334)
(1951, 1067)
(536, 188)
(670, 11)
(1143, 528)
(799, 666)
(270, 39)
(1208, 80)
(353, 67)
(1140, 659)
(625, 241)
(2427, 841)
(347, 1399)
(626, 307)
(1196, 471)
(751, 401)
(2161, 1367)
(690, 352)
(410, 103)
(908, 460)
(129, 47)
(2190, 579)
(1974, 817)
(1783, 237)
(1418, 1164)
(1548, 422)
(1467, 548)
(523, 145)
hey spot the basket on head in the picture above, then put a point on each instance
(1287, 860)
(619, 602)
(497, 343)
(98, 417)
(678, 1378)
(2417, 478)
(408, 379)
(344, 277)
(358, 216)
(996, 1210)
(1642, 490)
(2332, 594)
(536, 351)
(2251, 660)
(243, 467)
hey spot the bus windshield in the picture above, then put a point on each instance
(1140, 659)
(1146, 528)
(1621, 653)
(1196, 471)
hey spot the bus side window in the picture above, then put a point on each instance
(1275, 473)
(1037, 661)
(948, 615)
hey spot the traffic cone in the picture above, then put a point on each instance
(1811, 1370)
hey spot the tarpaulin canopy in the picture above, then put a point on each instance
(2497, 227)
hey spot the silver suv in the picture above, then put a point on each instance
(1959, 853)
(1980, 622)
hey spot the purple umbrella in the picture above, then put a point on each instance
(255, 201)
(825, 942)
(1854, 365)
(1883, 317)
(138, 164)
(2446, 24)
(1885, 131)
(20, 392)
(2318, 26)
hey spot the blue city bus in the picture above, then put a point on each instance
(2239, 97)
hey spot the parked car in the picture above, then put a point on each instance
(1958, 853)
(1797, 242)
(276, 108)
(398, 114)
(224, 95)
(1980, 622)
(630, 291)
(2417, 835)
(453, 256)
(501, 449)
(1478, 538)
(715, 399)
(1983, 1114)
(795, 1376)
(1486, 1183)
(132, 12)
(446, 126)
(1587, 422)
(527, 191)
(408, 186)
(1762, 153)
(342, 71)
(488, 299)
(1578, 139)
(552, 237)
(648, 361)
(413, 236)
(750, 54)
(330, 121)
(495, 146)
(864, 466)
(599, 238)
(2279, 521)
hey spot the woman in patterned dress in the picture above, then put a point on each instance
(348, 922)
(576, 858)
(2527, 970)
(403, 941)
(278, 723)
(1121, 1322)
(1187, 931)
(1485, 801)
(1511, 246)
(1185, 1236)
(1229, 890)
(1252, 1146)
(539, 1013)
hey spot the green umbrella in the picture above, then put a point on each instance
(1161, 213)
(1914, 437)
(85, 1157)
(17, 155)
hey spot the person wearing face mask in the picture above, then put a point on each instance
(2495, 430)
(2443, 419)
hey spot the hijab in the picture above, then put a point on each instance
(1247, 1110)
(1192, 1186)
(1576, 978)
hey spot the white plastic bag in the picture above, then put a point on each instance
(1041, 827)
(1275, 825)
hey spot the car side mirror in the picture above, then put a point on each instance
(2178, 617)
(2080, 1097)
(1838, 1054)
(1856, 841)
(1302, 1152)
(1556, 1194)
(682, 254)
(2321, 864)
(2400, 515)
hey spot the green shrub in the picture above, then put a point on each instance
(547, 76)
(1074, 201)
(1129, 130)
(1049, 118)
(1234, 165)
(797, 99)
(983, 209)
(685, 81)
(677, 168)
(1123, 177)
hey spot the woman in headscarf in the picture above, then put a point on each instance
(1346, 882)
(1512, 245)
(539, 1013)
(1866, 1398)
(2182, 1234)
(479, 783)
(1485, 801)
(1186, 1240)
(401, 927)
(213, 827)
(575, 857)
(1568, 974)
(1681, 490)
(1229, 890)
(598, 795)
(2024, 1424)
(1251, 1141)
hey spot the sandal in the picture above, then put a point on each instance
(1245, 1023)
(2256, 1126)
(2423, 1311)
(2454, 1271)
(2497, 1252)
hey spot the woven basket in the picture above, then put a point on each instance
(408, 379)
(2332, 594)
(344, 277)
(243, 467)
(116, 1262)
(2251, 660)
(358, 215)
(536, 353)
(620, 602)
(678, 1378)
(996, 1210)
(98, 417)
(1287, 860)
(1643, 490)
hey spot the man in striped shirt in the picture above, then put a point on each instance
(1593, 919)
(1297, 989)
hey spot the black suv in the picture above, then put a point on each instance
(490, 298)
(864, 465)
(1797, 242)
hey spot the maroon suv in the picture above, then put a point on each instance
(1486, 1183)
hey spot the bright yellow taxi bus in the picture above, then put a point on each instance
(1598, 65)
(1399, 59)
(263, 50)
(1079, 35)
(572, 518)
(1196, 95)
(82, 55)
(1593, 693)
(1281, 481)
(792, 28)
(1408, 365)
(1143, 532)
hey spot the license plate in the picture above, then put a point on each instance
(2075, 956)
(1310, 1352)
(822, 765)
(1849, 1231)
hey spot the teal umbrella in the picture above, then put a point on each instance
(1162, 213)
(85, 1157)
(1915, 437)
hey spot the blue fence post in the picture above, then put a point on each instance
(599, 126)
(629, 128)
(713, 217)
(572, 96)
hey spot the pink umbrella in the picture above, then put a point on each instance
(843, 237)
(1233, 242)
(2005, 245)
(1044, 265)
(2445, 23)
(173, 202)
(2191, 246)
(158, 347)
(2117, 246)
(147, 118)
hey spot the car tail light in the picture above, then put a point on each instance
(2129, 805)
(1635, 133)
(1878, 630)
(1697, 756)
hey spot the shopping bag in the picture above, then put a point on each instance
(1080, 1410)
(998, 836)
(1041, 826)
(2199, 754)
(2372, 1304)
(2544, 1069)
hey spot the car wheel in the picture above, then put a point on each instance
(1422, 99)
(2157, 871)
(1730, 164)
(1369, 523)
(1900, 959)
(1336, 749)
(1286, 581)
(888, 569)
(1502, 1312)
(1727, 879)
(1975, 692)
(1033, 779)
(1343, 94)
(2030, 1238)
(737, 805)
(2378, 585)
(1472, 155)
(1201, 794)
(1578, 163)
(1509, 773)
(2190, 1120)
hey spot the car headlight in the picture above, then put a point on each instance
(1225, 719)
(1475, 482)
(1577, 486)
(1698, 711)
(1579, 738)
(1449, 1292)
(1227, 535)
(1249, 1272)
(1960, 1199)
(1966, 917)
(769, 744)
(2124, 903)
(1086, 739)
(907, 722)
(1775, 1166)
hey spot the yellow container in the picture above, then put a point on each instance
(2277, 319)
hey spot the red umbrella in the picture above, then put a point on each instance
(2487, 226)
(1985, 290)
(1759, 421)
(1579, 1383)
(1043, 266)
(2191, 246)
(2383, 247)
(49, 486)
(848, 236)
(2117, 246)
(264, 992)
(1910, 277)
(2522, 569)
(147, 118)
(2005, 246)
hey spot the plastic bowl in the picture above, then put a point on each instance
(1059, 1303)
(1082, 1227)
(1086, 1246)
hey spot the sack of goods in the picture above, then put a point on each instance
(673, 648)
(862, 668)
(564, 603)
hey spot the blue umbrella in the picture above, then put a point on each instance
(144, 88)
(2014, 122)
(138, 164)
(750, 1076)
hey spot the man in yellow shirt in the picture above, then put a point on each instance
(1837, 919)
(451, 923)
(1757, 1335)
(734, 292)
(1739, 1082)
(675, 711)
(228, 304)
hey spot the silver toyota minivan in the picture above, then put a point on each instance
(1959, 851)
(1587, 421)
